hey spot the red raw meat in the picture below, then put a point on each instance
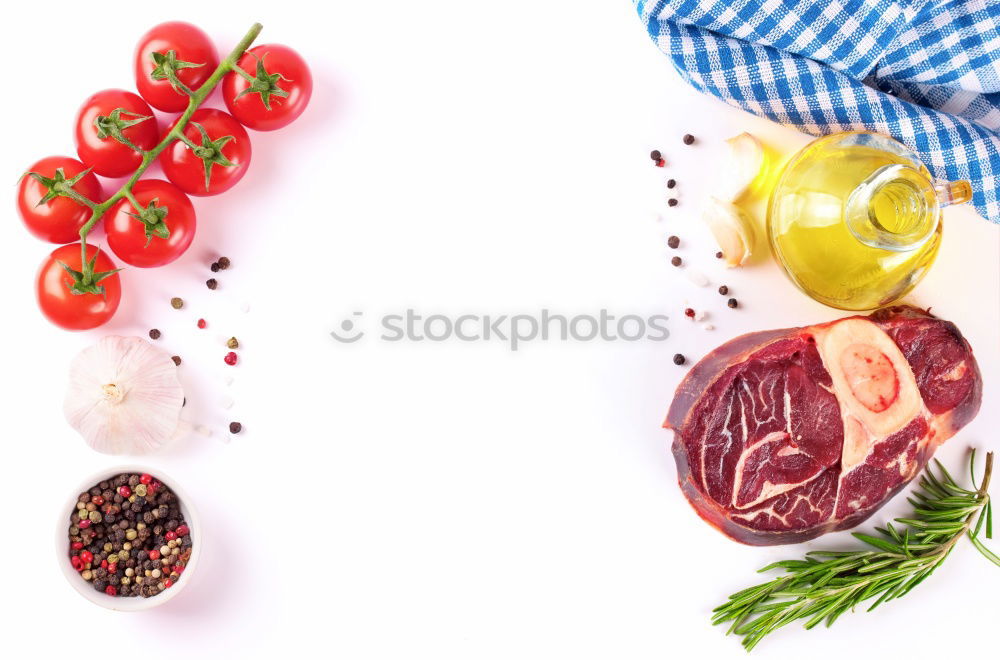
(783, 435)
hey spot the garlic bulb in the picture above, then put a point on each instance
(124, 396)
(733, 230)
(742, 167)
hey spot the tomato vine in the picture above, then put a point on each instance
(86, 280)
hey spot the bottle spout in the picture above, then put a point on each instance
(950, 193)
(898, 208)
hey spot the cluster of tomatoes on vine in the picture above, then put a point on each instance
(150, 222)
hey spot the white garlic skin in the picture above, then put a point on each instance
(124, 396)
(744, 164)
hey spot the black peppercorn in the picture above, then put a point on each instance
(212, 284)
(176, 359)
(723, 290)
(154, 334)
(223, 262)
(733, 304)
(673, 242)
(679, 359)
(215, 267)
(671, 183)
(671, 202)
(718, 255)
(235, 427)
(655, 155)
(676, 261)
(688, 139)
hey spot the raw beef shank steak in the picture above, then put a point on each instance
(783, 435)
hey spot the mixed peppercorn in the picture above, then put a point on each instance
(127, 536)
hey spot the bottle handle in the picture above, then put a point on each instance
(950, 193)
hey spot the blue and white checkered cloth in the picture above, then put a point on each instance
(926, 72)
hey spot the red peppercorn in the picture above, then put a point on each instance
(104, 563)
(230, 358)
(202, 324)
(83, 524)
(76, 545)
(154, 554)
(146, 479)
(168, 583)
(76, 562)
(661, 163)
(178, 569)
(86, 556)
(111, 590)
(170, 536)
(689, 312)
(97, 500)
(113, 568)
(125, 491)
(182, 530)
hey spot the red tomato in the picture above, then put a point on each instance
(110, 155)
(141, 243)
(276, 69)
(186, 169)
(190, 46)
(70, 310)
(57, 220)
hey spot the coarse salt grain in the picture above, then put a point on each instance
(708, 326)
(226, 402)
(203, 430)
(696, 277)
(699, 315)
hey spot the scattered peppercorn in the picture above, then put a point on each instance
(232, 342)
(154, 334)
(673, 242)
(671, 202)
(224, 263)
(142, 545)
(732, 302)
(176, 359)
(230, 358)
(235, 427)
(723, 290)
(202, 324)
(176, 303)
(655, 155)
(671, 183)
(676, 261)
(215, 267)
(661, 163)
(688, 139)
(679, 359)
(689, 313)
(212, 283)
(718, 255)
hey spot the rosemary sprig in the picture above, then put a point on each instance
(824, 585)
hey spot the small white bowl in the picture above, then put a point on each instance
(131, 603)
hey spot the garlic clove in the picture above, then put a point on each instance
(733, 230)
(743, 165)
(124, 396)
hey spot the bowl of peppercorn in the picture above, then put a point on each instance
(128, 538)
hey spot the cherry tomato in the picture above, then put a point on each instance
(190, 46)
(110, 155)
(186, 169)
(140, 242)
(265, 63)
(70, 310)
(59, 219)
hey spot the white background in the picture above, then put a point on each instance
(434, 500)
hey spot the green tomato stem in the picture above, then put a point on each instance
(148, 157)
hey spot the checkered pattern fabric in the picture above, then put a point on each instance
(926, 72)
